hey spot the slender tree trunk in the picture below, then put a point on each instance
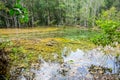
(85, 23)
(94, 14)
(13, 25)
(15, 21)
(7, 23)
(7, 20)
(32, 21)
(19, 25)
(48, 18)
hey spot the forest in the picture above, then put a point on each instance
(59, 39)
(56, 12)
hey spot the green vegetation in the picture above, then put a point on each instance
(109, 33)
(53, 12)
(46, 43)
(20, 12)
(109, 24)
(27, 35)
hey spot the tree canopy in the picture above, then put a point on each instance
(23, 13)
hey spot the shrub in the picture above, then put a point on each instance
(109, 32)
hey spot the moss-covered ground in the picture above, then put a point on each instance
(28, 45)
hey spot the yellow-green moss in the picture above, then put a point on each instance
(29, 51)
(31, 44)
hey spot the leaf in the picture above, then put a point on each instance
(18, 6)
(18, 1)
(12, 12)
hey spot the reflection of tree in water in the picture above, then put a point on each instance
(93, 65)
(104, 73)
(99, 72)
(117, 62)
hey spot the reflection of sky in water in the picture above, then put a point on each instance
(78, 62)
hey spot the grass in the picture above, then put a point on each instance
(28, 45)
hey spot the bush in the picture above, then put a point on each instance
(109, 32)
(109, 23)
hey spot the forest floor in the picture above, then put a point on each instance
(27, 45)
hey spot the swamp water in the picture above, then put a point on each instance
(78, 65)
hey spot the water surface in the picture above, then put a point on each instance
(78, 65)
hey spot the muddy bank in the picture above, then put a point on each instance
(4, 65)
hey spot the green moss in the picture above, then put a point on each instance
(46, 48)
(32, 45)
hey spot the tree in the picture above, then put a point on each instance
(14, 8)
(53, 12)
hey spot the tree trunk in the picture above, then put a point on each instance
(48, 18)
(32, 22)
(85, 23)
(19, 25)
(15, 21)
(7, 23)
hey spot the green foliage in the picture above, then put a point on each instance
(109, 24)
(19, 11)
(4, 45)
(18, 1)
(24, 17)
(2, 6)
(17, 50)
(109, 33)
(111, 14)
(57, 12)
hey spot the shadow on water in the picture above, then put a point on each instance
(78, 65)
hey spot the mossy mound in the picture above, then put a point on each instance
(24, 51)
